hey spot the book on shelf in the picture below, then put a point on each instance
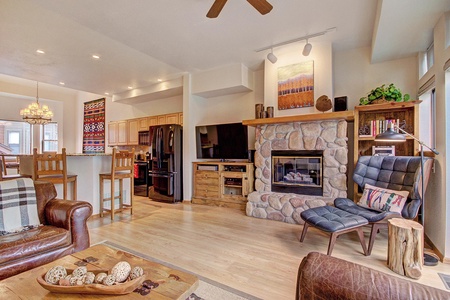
(376, 127)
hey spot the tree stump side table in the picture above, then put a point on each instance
(405, 247)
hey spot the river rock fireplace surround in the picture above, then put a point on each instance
(325, 139)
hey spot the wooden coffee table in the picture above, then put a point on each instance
(173, 284)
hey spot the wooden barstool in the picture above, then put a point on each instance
(13, 163)
(52, 167)
(122, 167)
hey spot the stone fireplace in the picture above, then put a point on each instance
(297, 171)
(326, 140)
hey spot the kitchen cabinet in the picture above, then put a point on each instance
(122, 130)
(162, 120)
(172, 119)
(112, 133)
(152, 121)
(126, 132)
(133, 132)
(143, 124)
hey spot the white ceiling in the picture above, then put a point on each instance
(140, 41)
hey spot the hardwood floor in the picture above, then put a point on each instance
(259, 257)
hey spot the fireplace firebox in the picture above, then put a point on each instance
(297, 172)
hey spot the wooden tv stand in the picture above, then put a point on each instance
(224, 184)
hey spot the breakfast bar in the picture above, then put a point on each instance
(87, 167)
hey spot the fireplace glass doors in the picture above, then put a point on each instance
(297, 172)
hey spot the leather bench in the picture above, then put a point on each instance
(335, 221)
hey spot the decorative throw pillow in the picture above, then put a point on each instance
(381, 199)
(18, 206)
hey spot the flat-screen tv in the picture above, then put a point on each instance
(222, 141)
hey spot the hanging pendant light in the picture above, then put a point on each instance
(34, 113)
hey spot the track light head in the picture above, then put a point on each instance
(307, 49)
(271, 57)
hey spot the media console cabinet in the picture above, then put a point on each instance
(224, 184)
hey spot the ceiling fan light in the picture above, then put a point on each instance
(307, 49)
(272, 58)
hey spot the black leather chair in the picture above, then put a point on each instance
(391, 172)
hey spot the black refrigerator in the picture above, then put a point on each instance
(166, 163)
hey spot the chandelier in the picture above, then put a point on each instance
(34, 113)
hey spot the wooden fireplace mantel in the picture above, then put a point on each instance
(347, 115)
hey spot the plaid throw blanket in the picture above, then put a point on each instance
(18, 206)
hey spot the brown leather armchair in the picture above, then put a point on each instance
(64, 231)
(325, 277)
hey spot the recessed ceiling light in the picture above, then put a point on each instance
(61, 83)
(106, 93)
(159, 80)
(130, 87)
(40, 51)
(95, 56)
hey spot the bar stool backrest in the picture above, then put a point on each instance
(122, 161)
(49, 164)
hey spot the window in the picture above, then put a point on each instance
(14, 141)
(426, 60)
(427, 116)
(50, 137)
(15, 137)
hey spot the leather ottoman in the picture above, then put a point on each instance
(335, 221)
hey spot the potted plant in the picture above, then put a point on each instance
(383, 94)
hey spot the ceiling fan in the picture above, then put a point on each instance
(262, 6)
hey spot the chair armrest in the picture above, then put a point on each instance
(70, 215)
(45, 191)
(322, 276)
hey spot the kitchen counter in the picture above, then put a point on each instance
(87, 167)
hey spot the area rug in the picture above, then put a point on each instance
(207, 289)
(94, 126)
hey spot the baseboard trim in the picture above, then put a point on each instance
(435, 250)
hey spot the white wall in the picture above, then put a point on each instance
(354, 76)
(437, 208)
(321, 54)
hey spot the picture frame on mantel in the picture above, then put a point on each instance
(296, 85)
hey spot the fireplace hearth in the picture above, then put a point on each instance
(297, 172)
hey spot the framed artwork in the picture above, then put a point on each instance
(94, 126)
(296, 85)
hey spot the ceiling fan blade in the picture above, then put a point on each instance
(216, 8)
(262, 6)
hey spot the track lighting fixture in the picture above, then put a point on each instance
(307, 48)
(271, 57)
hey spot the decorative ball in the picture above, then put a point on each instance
(323, 103)
(109, 280)
(55, 274)
(136, 272)
(80, 281)
(79, 272)
(73, 280)
(121, 271)
(89, 278)
(100, 277)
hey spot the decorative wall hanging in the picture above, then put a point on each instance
(94, 126)
(296, 85)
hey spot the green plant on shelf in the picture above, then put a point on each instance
(384, 94)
